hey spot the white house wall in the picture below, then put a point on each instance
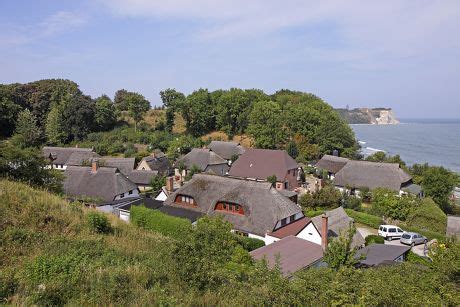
(310, 233)
(135, 193)
(162, 196)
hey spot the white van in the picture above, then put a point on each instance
(390, 232)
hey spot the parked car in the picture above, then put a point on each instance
(390, 232)
(413, 238)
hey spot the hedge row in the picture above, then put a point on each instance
(249, 244)
(370, 239)
(365, 218)
(157, 221)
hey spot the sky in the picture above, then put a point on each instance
(399, 54)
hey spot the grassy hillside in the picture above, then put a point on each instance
(50, 254)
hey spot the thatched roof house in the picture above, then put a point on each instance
(251, 207)
(359, 174)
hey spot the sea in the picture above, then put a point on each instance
(415, 140)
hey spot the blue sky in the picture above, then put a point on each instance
(399, 54)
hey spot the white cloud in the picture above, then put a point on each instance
(377, 29)
(60, 22)
(53, 25)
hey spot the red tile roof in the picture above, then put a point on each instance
(262, 163)
(293, 253)
(291, 229)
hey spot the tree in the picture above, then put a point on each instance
(272, 179)
(232, 109)
(105, 113)
(8, 114)
(266, 124)
(27, 133)
(292, 150)
(192, 171)
(198, 113)
(385, 202)
(327, 197)
(438, 183)
(182, 145)
(137, 106)
(172, 101)
(340, 253)
(157, 182)
(203, 254)
(55, 127)
(28, 166)
(120, 100)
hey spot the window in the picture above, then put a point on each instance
(184, 199)
(289, 171)
(400, 230)
(283, 222)
(292, 219)
(130, 192)
(229, 207)
(384, 229)
(392, 230)
(286, 184)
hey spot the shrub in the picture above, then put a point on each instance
(327, 197)
(370, 239)
(365, 218)
(98, 222)
(428, 216)
(351, 202)
(249, 244)
(385, 202)
(155, 220)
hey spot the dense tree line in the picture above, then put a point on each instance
(273, 121)
(55, 111)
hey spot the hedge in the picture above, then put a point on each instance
(428, 216)
(157, 221)
(374, 239)
(249, 244)
(365, 218)
(427, 233)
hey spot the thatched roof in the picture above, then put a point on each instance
(263, 205)
(124, 165)
(60, 155)
(262, 163)
(201, 157)
(158, 162)
(331, 164)
(104, 184)
(141, 177)
(226, 149)
(358, 174)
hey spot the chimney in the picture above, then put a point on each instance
(94, 165)
(324, 231)
(170, 184)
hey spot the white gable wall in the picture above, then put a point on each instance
(162, 196)
(310, 233)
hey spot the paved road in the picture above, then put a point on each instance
(365, 231)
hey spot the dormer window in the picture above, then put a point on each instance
(229, 207)
(185, 200)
